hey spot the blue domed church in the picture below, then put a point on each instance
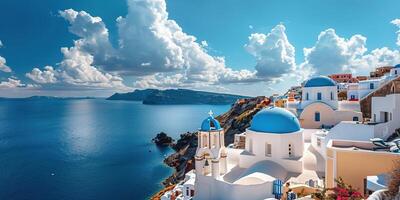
(319, 106)
(273, 153)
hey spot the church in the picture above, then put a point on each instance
(319, 106)
(275, 149)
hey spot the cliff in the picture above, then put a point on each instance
(235, 121)
(176, 96)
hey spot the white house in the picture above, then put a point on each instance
(386, 119)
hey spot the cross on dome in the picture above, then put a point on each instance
(210, 113)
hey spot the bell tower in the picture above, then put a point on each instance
(211, 154)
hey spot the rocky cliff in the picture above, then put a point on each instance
(235, 121)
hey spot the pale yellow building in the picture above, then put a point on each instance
(353, 161)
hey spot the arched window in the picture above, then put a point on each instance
(319, 96)
(204, 141)
(250, 145)
(268, 150)
(317, 117)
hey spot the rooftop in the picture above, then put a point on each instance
(320, 81)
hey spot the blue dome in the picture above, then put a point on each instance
(397, 66)
(210, 124)
(320, 81)
(275, 120)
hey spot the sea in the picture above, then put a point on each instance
(88, 148)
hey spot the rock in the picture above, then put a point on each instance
(182, 160)
(162, 139)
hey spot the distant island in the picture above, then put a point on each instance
(176, 96)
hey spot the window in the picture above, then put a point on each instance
(204, 141)
(390, 117)
(331, 95)
(319, 96)
(355, 118)
(317, 117)
(395, 71)
(371, 86)
(268, 149)
(250, 145)
(374, 117)
(187, 191)
(290, 150)
(319, 142)
(307, 96)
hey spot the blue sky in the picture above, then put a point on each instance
(261, 43)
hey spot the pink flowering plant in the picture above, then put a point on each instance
(342, 191)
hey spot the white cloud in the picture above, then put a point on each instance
(151, 46)
(94, 37)
(334, 54)
(3, 66)
(397, 23)
(274, 54)
(76, 70)
(13, 82)
(48, 75)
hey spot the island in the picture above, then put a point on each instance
(177, 96)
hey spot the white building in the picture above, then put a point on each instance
(363, 88)
(320, 107)
(275, 149)
(352, 92)
(385, 121)
(367, 86)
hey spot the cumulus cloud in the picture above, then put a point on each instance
(397, 23)
(13, 82)
(48, 75)
(274, 54)
(151, 47)
(334, 54)
(76, 69)
(3, 66)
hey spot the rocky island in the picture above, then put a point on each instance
(176, 96)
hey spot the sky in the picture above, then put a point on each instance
(259, 47)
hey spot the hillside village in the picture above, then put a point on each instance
(329, 132)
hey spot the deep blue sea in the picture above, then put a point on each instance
(87, 149)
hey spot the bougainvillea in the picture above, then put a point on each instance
(342, 191)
